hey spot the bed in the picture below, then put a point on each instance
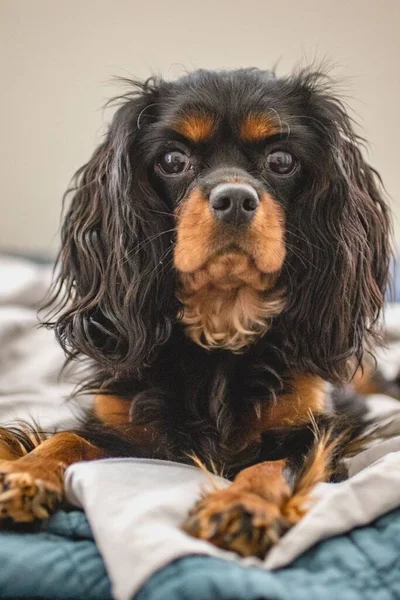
(127, 543)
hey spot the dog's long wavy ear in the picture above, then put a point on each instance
(341, 250)
(114, 297)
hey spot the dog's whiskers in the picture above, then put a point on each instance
(132, 253)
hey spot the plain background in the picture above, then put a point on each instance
(57, 59)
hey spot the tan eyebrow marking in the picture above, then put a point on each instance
(257, 126)
(197, 127)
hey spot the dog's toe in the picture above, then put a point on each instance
(242, 523)
(24, 498)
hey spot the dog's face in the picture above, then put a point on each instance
(225, 202)
(227, 167)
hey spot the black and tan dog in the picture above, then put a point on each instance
(224, 261)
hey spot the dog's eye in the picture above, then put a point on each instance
(174, 162)
(281, 162)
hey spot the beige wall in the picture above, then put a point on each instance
(57, 58)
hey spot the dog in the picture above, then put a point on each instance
(223, 266)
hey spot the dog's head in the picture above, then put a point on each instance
(224, 202)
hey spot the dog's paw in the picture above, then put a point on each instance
(25, 498)
(241, 522)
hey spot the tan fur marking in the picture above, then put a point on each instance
(316, 469)
(196, 229)
(113, 410)
(10, 447)
(365, 381)
(258, 126)
(266, 238)
(308, 398)
(8, 453)
(227, 304)
(65, 447)
(196, 127)
(227, 276)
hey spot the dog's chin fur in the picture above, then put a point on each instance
(228, 303)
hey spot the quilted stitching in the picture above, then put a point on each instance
(363, 565)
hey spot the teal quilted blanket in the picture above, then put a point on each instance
(61, 561)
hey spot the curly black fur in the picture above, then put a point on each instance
(116, 291)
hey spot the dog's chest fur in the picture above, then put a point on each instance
(209, 403)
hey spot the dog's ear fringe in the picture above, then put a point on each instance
(339, 267)
(111, 300)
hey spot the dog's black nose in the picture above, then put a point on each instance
(234, 203)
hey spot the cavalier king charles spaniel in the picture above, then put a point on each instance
(223, 266)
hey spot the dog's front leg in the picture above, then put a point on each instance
(253, 513)
(31, 487)
(248, 516)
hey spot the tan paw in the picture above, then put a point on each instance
(241, 522)
(24, 498)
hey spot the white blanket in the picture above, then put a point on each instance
(134, 506)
